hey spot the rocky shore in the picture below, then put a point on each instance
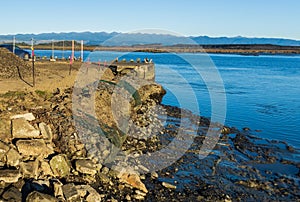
(45, 156)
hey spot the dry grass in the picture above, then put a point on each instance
(49, 76)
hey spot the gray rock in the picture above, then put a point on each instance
(39, 197)
(93, 195)
(128, 198)
(70, 192)
(89, 192)
(12, 194)
(19, 185)
(5, 130)
(27, 116)
(128, 176)
(3, 147)
(29, 169)
(139, 197)
(13, 158)
(22, 129)
(82, 191)
(154, 175)
(3, 150)
(58, 191)
(34, 148)
(143, 168)
(105, 170)
(138, 192)
(60, 165)
(45, 168)
(168, 185)
(9, 176)
(46, 132)
(86, 166)
(103, 178)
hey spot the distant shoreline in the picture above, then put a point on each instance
(241, 49)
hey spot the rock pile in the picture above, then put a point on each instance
(31, 169)
(44, 157)
(29, 159)
(11, 66)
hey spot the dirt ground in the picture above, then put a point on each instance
(48, 77)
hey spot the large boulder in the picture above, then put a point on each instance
(60, 166)
(35, 147)
(22, 129)
(39, 197)
(9, 176)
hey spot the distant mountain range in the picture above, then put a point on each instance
(119, 39)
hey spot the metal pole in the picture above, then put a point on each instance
(32, 58)
(14, 44)
(63, 50)
(71, 59)
(81, 50)
(52, 49)
(73, 46)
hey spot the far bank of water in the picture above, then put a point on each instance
(262, 91)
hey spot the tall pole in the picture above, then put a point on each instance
(14, 44)
(63, 56)
(32, 58)
(73, 46)
(81, 51)
(72, 57)
(52, 49)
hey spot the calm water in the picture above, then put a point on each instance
(262, 92)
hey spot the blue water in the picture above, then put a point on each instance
(262, 92)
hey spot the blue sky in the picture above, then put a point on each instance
(255, 18)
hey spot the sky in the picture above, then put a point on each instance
(214, 18)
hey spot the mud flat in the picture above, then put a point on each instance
(46, 155)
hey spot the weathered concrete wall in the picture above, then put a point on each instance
(141, 70)
(146, 71)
